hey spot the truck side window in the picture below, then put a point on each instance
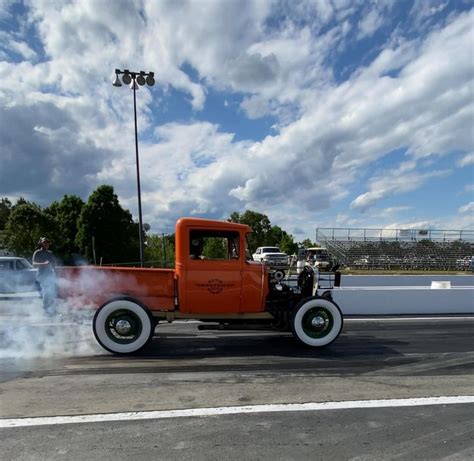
(214, 245)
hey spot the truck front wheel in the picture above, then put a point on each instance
(316, 321)
(123, 326)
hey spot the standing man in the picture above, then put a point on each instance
(44, 261)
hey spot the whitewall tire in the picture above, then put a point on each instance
(316, 322)
(123, 326)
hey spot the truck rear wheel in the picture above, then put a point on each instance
(316, 322)
(123, 326)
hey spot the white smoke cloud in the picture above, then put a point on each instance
(27, 333)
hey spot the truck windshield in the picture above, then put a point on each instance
(318, 254)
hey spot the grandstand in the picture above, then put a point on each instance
(409, 249)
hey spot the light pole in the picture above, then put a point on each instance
(134, 79)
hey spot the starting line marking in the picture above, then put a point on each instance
(218, 411)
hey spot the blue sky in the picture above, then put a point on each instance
(317, 113)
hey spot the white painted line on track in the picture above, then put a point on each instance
(218, 411)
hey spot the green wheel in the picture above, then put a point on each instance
(316, 322)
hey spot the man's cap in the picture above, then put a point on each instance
(44, 240)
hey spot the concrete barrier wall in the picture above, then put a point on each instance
(403, 280)
(404, 300)
(403, 295)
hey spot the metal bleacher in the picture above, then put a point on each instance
(411, 249)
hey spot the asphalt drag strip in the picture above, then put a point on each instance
(217, 392)
(431, 432)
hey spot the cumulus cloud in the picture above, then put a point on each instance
(46, 163)
(18, 47)
(354, 124)
(273, 58)
(254, 106)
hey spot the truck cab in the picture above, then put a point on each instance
(214, 273)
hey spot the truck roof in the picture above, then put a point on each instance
(211, 224)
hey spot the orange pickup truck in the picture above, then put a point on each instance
(231, 289)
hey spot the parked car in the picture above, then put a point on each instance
(272, 256)
(16, 275)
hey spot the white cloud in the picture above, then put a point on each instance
(254, 106)
(468, 208)
(467, 160)
(369, 24)
(423, 12)
(388, 183)
(409, 225)
(16, 46)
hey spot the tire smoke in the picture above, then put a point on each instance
(26, 333)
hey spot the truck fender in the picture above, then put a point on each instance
(326, 294)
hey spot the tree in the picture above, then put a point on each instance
(259, 223)
(280, 238)
(160, 250)
(5, 210)
(26, 224)
(307, 243)
(287, 244)
(67, 213)
(264, 233)
(215, 248)
(104, 226)
(21, 201)
(274, 236)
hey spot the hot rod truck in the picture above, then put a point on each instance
(231, 289)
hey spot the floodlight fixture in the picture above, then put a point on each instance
(127, 78)
(141, 78)
(117, 81)
(150, 79)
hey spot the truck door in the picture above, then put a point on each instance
(214, 272)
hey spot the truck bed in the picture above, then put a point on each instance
(88, 287)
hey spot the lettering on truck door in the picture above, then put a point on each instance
(214, 274)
